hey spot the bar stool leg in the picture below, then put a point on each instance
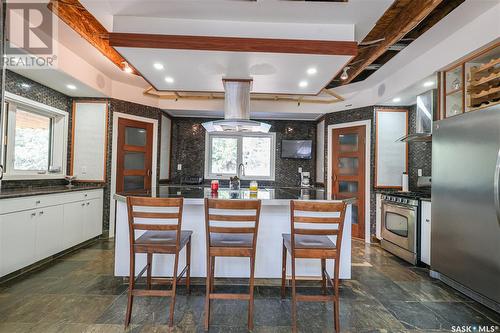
(174, 285)
(207, 298)
(336, 303)
(149, 269)
(188, 264)
(323, 275)
(212, 272)
(283, 270)
(128, 315)
(250, 302)
(294, 298)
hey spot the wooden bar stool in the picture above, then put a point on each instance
(230, 241)
(164, 238)
(311, 224)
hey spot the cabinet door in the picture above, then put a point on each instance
(378, 215)
(73, 223)
(49, 225)
(18, 240)
(92, 224)
(425, 233)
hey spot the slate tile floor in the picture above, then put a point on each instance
(78, 293)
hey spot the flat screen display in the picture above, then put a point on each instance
(301, 149)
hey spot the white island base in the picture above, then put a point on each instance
(274, 221)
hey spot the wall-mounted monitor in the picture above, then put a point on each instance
(301, 149)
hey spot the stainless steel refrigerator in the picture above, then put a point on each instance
(465, 237)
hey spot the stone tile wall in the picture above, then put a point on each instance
(188, 149)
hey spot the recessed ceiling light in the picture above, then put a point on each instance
(312, 71)
(344, 76)
(428, 83)
(396, 100)
(169, 79)
(158, 66)
(71, 86)
(303, 84)
(126, 68)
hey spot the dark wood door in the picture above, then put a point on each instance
(348, 172)
(134, 156)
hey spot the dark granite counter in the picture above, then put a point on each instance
(198, 193)
(31, 191)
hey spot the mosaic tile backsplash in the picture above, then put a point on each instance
(188, 149)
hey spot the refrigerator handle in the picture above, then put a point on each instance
(496, 187)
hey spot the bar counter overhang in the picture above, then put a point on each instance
(274, 221)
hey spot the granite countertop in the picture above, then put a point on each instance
(283, 194)
(31, 191)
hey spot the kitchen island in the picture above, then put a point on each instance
(274, 221)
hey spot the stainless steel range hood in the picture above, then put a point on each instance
(236, 110)
(425, 114)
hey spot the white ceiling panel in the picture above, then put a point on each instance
(202, 71)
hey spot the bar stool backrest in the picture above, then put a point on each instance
(232, 217)
(317, 218)
(156, 214)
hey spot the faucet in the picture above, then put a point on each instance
(241, 167)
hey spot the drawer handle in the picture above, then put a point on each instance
(83, 204)
(33, 214)
(41, 212)
(86, 194)
(88, 203)
(427, 220)
(37, 202)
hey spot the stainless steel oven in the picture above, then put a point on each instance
(399, 227)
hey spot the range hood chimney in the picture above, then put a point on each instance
(426, 104)
(236, 110)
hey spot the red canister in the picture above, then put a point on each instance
(215, 185)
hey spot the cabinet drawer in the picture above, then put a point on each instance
(39, 201)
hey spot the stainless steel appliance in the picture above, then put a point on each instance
(426, 104)
(400, 225)
(465, 235)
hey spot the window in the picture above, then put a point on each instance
(225, 152)
(36, 139)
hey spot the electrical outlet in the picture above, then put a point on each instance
(84, 170)
(419, 172)
(300, 169)
(179, 167)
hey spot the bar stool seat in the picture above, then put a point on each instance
(309, 242)
(161, 239)
(231, 240)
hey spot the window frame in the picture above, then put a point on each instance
(239, 154)
(58, 140)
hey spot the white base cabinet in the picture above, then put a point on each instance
(37, 227)
(425, 233)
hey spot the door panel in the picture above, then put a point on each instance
(134, 156)
(348, 172)
(49, 225)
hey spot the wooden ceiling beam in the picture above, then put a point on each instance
(233, 44)
(87, 26)
(401, 17)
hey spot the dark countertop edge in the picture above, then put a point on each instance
(121, 197)
(28, 192)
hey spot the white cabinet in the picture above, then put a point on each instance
(37, 227)
(73, 223)
(92, 221)
(425, 233)
(48, 226)
(18, 240)
(378, 216)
